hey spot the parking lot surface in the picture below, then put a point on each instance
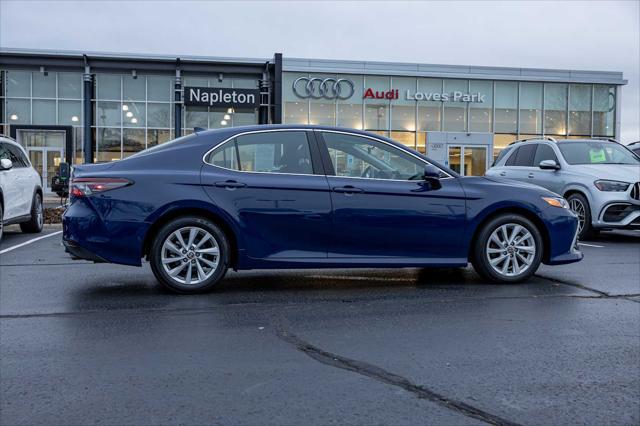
(84, 343)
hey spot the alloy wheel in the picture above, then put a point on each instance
(190, 255)
(511, 249)
(578, 208)
(39, 213)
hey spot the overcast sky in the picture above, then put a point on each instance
(588, 35)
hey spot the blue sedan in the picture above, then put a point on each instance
(307, 197)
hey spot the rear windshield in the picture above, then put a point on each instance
(160, 147)
(597, 152)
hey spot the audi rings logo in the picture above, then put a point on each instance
(323, 88)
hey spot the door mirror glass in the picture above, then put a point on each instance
(5, 164)
(549, 165)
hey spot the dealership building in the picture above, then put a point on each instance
(78, 107)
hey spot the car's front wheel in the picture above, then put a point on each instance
(36, 222)
(579, 204)
(189, 255)
(508, 249)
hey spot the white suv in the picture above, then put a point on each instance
(20, 189)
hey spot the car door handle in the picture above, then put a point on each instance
(348, 189)
(503, 173)
(230, 184)
(531, 175)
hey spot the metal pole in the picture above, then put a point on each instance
(87, 95)
(177, 125)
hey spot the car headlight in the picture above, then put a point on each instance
(556, 202)
(611, 185)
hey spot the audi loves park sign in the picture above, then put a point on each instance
(343, 88)
(221, 97)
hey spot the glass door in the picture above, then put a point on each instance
(46, 162)
(468, 160)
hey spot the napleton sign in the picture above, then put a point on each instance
(221, 97)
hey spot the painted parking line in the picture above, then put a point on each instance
(590, 245)
(29, 242)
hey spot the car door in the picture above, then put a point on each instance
(272, 185)
(550, 179)
(11, 189)
(24, 179)
(381, 206)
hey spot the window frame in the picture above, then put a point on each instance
(328, 164)
(535, 154)
(314, 152)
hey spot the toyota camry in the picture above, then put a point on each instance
(265, 197)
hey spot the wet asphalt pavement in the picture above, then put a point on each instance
(84, 343)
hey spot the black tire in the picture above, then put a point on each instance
(35, 224)
(580, 200)
(480, 255)
(172, 283)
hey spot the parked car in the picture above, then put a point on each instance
(599, 178)
(20, 189)
(307, 197)
(635, 147)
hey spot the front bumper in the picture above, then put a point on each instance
(610, 209)
(562, 226)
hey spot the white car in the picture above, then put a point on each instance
(20, 189)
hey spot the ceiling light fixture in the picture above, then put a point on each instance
(74, 118)
(125, 107)
(227, 117)
(134, 120)
(223, 122)
(14, 117)
(129, 114)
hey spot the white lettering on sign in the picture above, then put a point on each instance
(445, 97)
(212, 97)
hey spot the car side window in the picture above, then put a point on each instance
(500, 156)
(511, 161)
(357, 156)
(544, 152)
(524, 156)
(4, 152)
(16, 156)
(267, 152)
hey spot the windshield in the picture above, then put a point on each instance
(596, 152)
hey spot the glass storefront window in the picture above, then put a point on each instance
(159, 88)
(44, 111)
(133, 114)
(245, 83)
(481, 113)
(455, 112)
(18, 83)
(296, 110)
(157, 136)
(244, 118)
(376, 116)
(349, 112)
(133, 140)
(455, 160)
(555, 109)
(108, 114)
(429, 112)
(108, 86)
(158, 115)
(18, 111)
(69, 85)
(44, 86)
(421, 142)
(108, 144)
(506, 107)
(134, 89)
(196, 117)
(406, 138)
(580, 109)
(531, 108)
(604, 106)
(322, 113)
(500, 142)
(403, 111)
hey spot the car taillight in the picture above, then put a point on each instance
(82, 187)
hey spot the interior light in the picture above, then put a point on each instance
(125, 107)
(74, 118)
(227, 117)
(14, 117)
(223, 122)
(129, 114)
(134, 120)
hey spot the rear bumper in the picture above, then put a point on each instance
(78, 252)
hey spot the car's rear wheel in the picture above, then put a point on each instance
(579, 204)
(189, 255)
(508, 249)
(35, 224)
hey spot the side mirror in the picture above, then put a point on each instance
(549, 165)
(5, 164)
(432, 176)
